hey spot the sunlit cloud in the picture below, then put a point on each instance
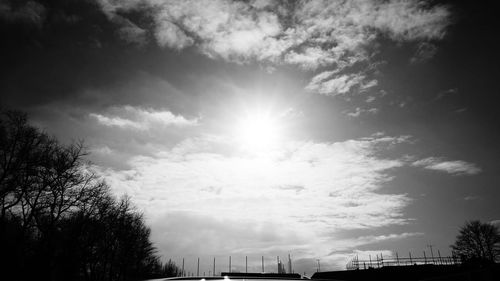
(129, 117)
(457, 167)
(297, 195)
(306, 191)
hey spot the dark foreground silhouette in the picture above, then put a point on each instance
(58, 220)
(416, 273)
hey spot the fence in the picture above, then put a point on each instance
(379, 261)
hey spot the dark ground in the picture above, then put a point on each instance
(416, 273)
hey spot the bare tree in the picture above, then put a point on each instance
(58, 219)
(478, 241)
(42, 180)
(21, 149)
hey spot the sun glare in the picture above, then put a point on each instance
(257, 132)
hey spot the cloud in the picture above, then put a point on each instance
(211, 200)
(457, 167)
(446, 93)
(424, 52)
(334, 187)
(394, 236)
(359, 111)
(30, 12)
(338, 85)
(130, 32)
(311, 34)
(129, 117)
(296, 188)
(170, 35)
(310, 58)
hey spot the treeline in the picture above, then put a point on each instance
(58, 219)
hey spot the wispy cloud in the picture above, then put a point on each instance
(394, 236)
(446, 93)
(323, 83)
(359, 111)
(424, 52)
(456, 167)
(129, 117)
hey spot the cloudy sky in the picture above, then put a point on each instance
(323, 129)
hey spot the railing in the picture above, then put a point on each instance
(380, 261)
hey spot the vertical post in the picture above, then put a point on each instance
(370, 260)
(278, 261)
(198, 268)
(214, 267)
(262, 264)
(381, 259)
(397, 257)
(432, 253)
(425, 258)
(440, 259)
(319, 266)
(229, 264)
(411, 262)
(246, 264)
(182, 267)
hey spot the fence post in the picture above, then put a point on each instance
(411, 262)
(425, 258)
(397, 257)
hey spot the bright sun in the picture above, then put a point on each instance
(257, 132)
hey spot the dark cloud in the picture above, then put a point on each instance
(425, 51)
(22, 12)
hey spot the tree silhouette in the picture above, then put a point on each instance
(58, 219)
(478, 242)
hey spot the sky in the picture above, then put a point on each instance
(320, 129)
